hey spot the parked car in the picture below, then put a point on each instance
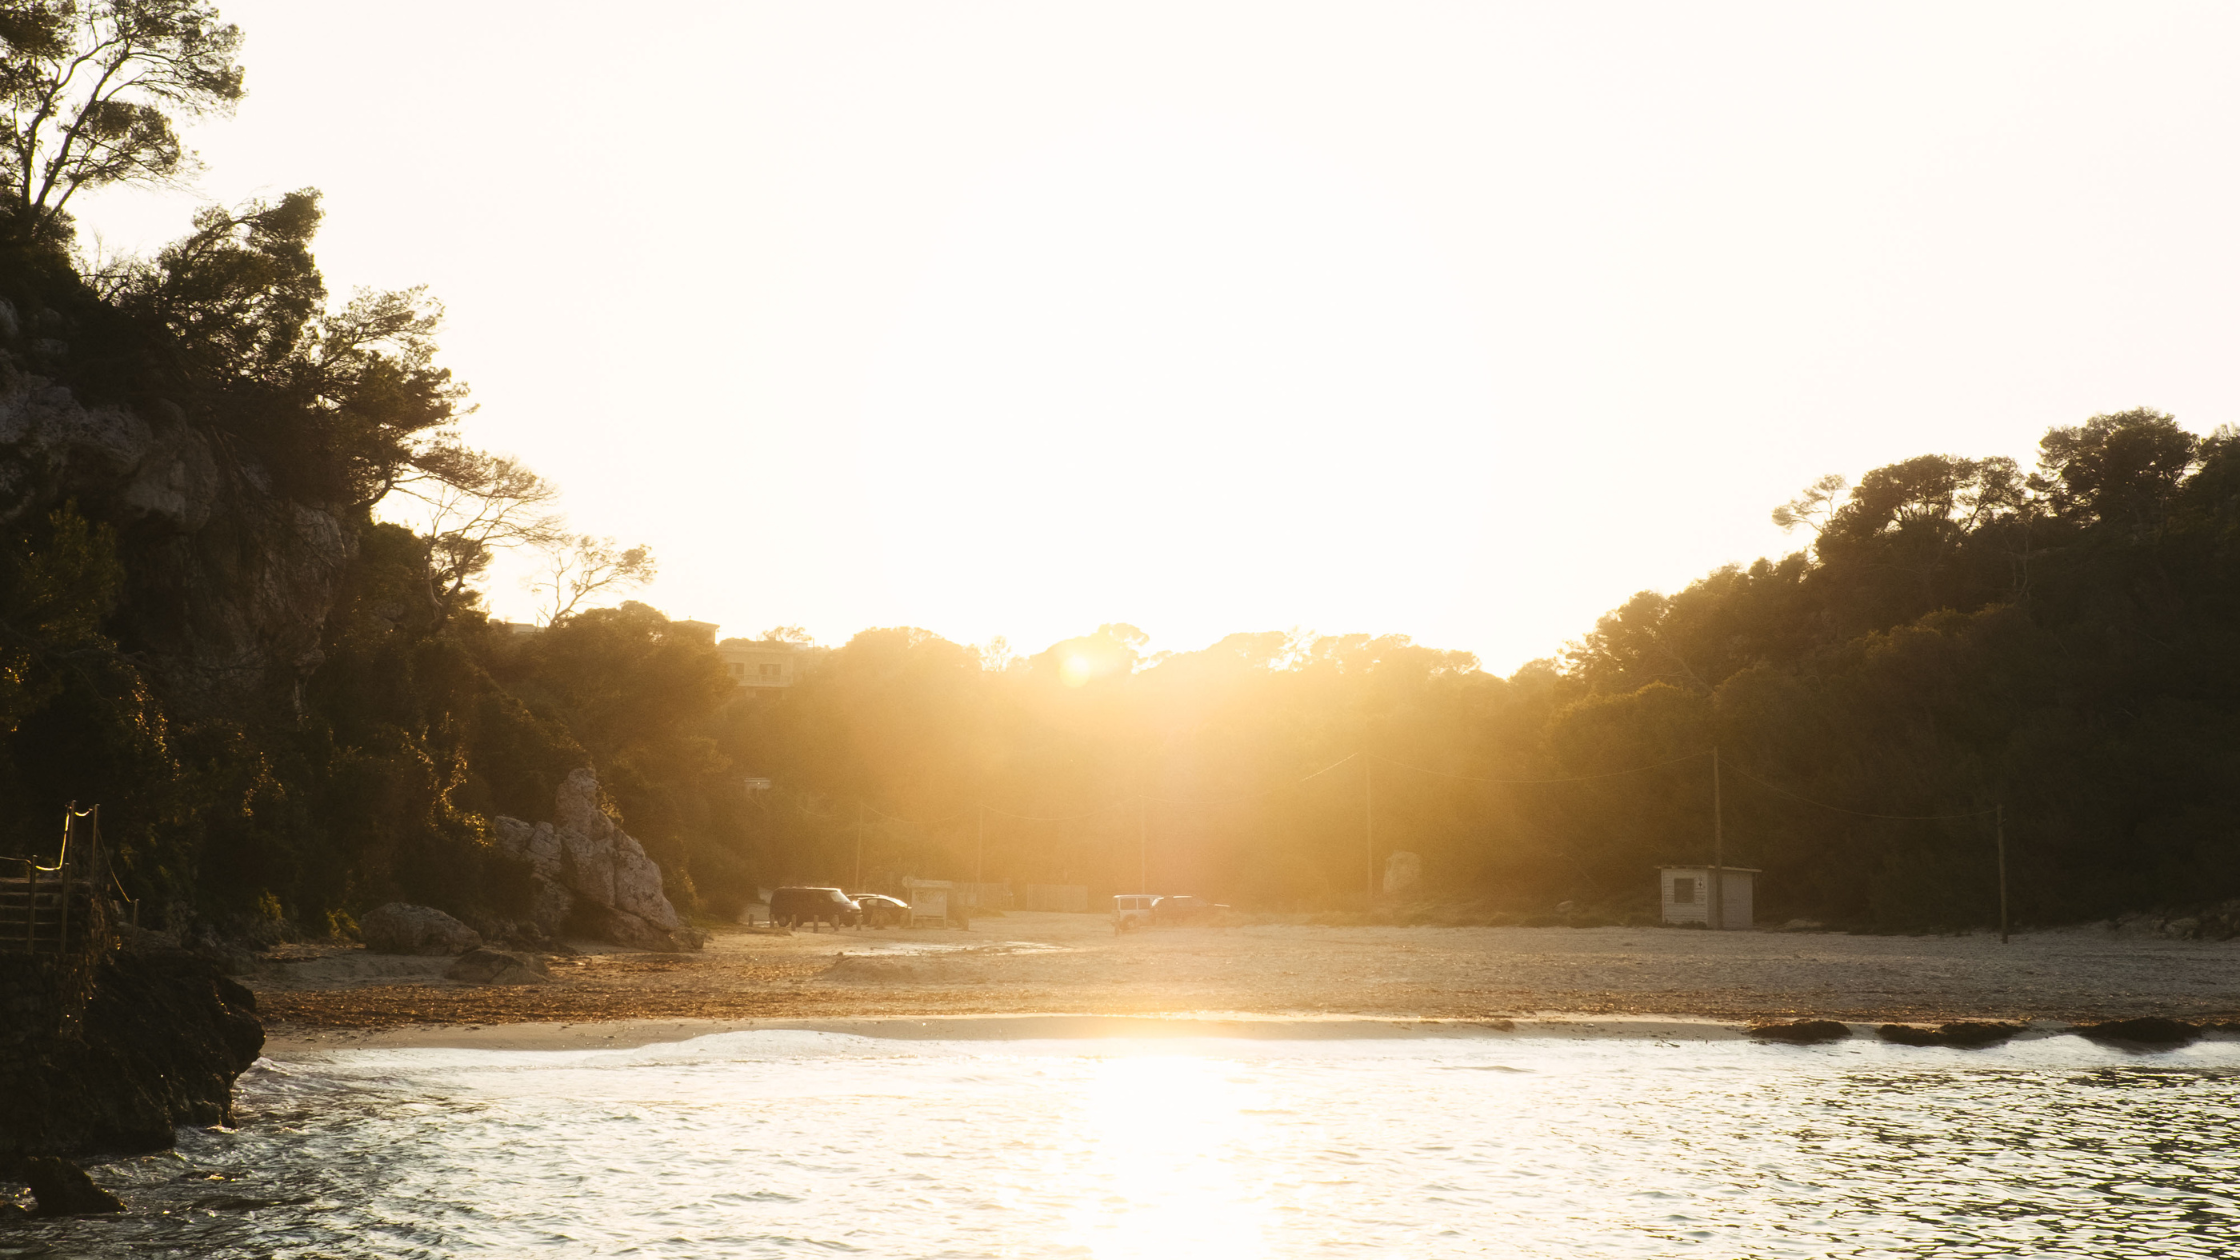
(882, 911)
(1169, 911)
(792, 907)
(1132, 910)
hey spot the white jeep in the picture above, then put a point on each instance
(1132, 910)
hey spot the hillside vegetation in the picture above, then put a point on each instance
(1959, 636)
(241, 608)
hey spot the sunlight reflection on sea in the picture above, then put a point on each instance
(800, 1143)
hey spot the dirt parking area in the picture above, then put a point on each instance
(1027, 963)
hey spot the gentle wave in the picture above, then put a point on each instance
(779, 1143)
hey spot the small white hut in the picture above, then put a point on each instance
(929, 900)
(1688, 895)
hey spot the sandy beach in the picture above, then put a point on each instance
(1654, 981)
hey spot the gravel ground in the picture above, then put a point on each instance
(1027, 963)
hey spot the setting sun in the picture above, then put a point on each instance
(1186, 628)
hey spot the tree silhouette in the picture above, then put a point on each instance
(92, 93)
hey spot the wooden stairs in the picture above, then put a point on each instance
(60, 909)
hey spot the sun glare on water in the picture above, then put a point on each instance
(1158, 1137)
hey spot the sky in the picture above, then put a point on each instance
(1460, 321)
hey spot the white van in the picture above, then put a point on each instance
(1130, 910)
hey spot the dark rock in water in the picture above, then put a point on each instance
(1803, 1032)
(1965, 1034)
(1910, 1035)
(63, 1189)
(149, 1041)
(2150, 1031)
(498, 966)
(1974, 1034)
(397, 928)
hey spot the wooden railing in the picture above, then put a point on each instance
(63, 908)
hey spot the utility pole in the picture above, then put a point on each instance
(859, 842)
(1718, 850)
(1999, 823)
(1369, 821)
(980, 852)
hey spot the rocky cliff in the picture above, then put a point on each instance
(154, 1042)
(591, 877)
(227, 583)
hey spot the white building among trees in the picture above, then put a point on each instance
(760, 664)
(1691, 897)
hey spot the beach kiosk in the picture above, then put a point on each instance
(929, 900)
(1690, 896)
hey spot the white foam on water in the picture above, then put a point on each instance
(785, 1143)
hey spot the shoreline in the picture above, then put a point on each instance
(1070, 972)
(299, 1043)
(294, 1040)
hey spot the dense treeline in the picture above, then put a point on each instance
(1958, 636)
(1955, 635)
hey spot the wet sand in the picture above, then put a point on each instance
(300, 1042)
(1421, 979)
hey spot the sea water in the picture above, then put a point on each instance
(815, 1144)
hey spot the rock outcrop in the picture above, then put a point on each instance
(228, 581)
(157, 1042)
(1966, 1034)
(1801, 1032)
(590, 877)
(398, 928)
(61, 1188)
(2154, 1031)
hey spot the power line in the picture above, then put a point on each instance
(1658, 765)
(1122, 802)
(914, 822)
(1101, 809)
(1574, 778)
(1858, 813)
(1254, 796)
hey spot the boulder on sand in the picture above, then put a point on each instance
(615, 927)
(497, 966)
(397, 928)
